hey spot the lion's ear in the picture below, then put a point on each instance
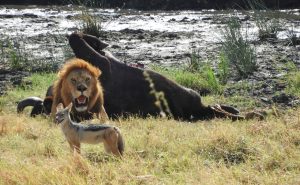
(98, 72)
(59, 107)
(70, 106)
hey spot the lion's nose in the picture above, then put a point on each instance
(81, 88)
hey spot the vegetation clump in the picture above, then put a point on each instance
(236, 50)
(13, 55)
(90, 24)
(266, 21)
(293, 79)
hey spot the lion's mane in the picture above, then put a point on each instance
(62, 92)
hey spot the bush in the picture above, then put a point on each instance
(13, 55)
(90, 24)
(194, 62)
(267, 21)
(237, 49)
(292, 38)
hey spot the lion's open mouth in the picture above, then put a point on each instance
(81, 103)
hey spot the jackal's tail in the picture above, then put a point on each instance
(121, 143)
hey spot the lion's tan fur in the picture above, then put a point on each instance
(64, 91)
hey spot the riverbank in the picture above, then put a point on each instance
(164, 4)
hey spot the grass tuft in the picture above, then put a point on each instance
(223, 68)
(90, 24)
(237, 50)
(267, 21)
(294, 84)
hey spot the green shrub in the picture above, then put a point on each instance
(266, 21)
(292, 38)
(266, 28)
(17, 59)
(194, 63)
(90, 24)
(237, 49)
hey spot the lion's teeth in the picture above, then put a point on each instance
(81, 100)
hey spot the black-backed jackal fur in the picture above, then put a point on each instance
(77, 133)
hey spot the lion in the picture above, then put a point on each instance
(78, 83)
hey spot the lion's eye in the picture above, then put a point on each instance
(87, 79)
(73, 80)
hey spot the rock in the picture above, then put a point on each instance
(69, 16)
(170, 35)
(115, 46)
(30, 15)
(5, 16)
(185, 19)
(265, 100)
(283, 98)
(206, 18)
(131, 31)
(141, 37)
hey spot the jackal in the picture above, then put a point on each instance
(77, 133)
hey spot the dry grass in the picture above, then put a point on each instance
(158, 151)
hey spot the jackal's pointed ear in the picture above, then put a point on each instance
(70, 106)
(59, 107)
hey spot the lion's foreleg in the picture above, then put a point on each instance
(102, 116)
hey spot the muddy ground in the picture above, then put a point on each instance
(150, 37)
(164, 4)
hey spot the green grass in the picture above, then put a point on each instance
(223, 68)
(294, 84)
(199, 81)
(39, 84)
(157, 151)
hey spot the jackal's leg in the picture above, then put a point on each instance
(75, 146)
(111, 142)
(107, 147)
